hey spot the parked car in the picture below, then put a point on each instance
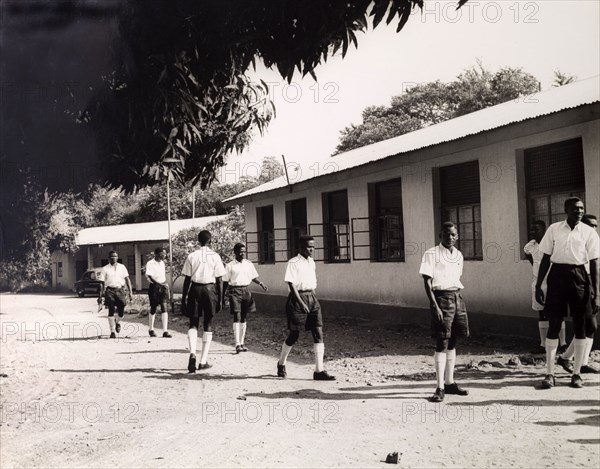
(88, 283)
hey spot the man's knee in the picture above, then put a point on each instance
(292, 338)
(441, 345)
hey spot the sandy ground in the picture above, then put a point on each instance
(70, 399)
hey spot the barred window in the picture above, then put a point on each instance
(553, 173)
(461, 204)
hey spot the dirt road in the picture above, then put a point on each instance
(71, 399)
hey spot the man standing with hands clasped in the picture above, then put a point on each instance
(569, 245)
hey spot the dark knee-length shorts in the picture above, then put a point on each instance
(297, 318)
(241, 300)
(455, 321)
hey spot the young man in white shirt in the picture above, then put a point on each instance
(239, 274)
(441, 268)
(591, 324)
(203, 270)
(569, 245)
(116, 290)
(534, 256)
(303, 308)
(158, 291)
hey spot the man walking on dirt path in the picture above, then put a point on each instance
(441, 269)
(203, 270)
(569, 245)
(116, 290)
(158, 291)
(303, 308)
(239, 274)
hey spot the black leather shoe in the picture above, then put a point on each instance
(281, 371)
(243, 347)
(567, 365)
(576, 381)
(204, 366)
(113, 335)
(238, 348)
(548, 382)
(152, 333)
(455, 389)
(167, 334)
(323, 376)
(589, 369)
(192, 363)
(438, 395)
(118, 327)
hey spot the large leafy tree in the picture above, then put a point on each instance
(430, 103)
(181, 91)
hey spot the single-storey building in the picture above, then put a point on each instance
(375, 210)
(135, 244)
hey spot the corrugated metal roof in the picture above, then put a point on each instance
(137, 232)
(543, 103)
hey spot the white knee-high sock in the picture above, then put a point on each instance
(164, 317)
(151, 318)
(450, 362)
(319, 350)
(562, 335)
(543, 327)
(570, 352)
(285, 351)
(551, 347)
(588, 350)
(236, 333)
(111, 323)
(243, 327)
(206, 340)
(192, 339)
(439, 359)
(580, 347)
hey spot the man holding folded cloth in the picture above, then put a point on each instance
(303, 309)
(203, 270)
(569, 245)
(116, 290)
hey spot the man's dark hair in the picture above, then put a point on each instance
(448, 225)
(572, 201)
(238, 247)
(157, 251)
(541, 223)
(304, 239)
(204, 237)
(110, 253)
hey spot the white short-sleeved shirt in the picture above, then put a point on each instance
(533, 249)
(157, 270)
(114, 276)
(444, 267)
(203, 266)
(240, 274)
(575, 246)
(301, 272)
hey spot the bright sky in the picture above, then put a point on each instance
(539, 36)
